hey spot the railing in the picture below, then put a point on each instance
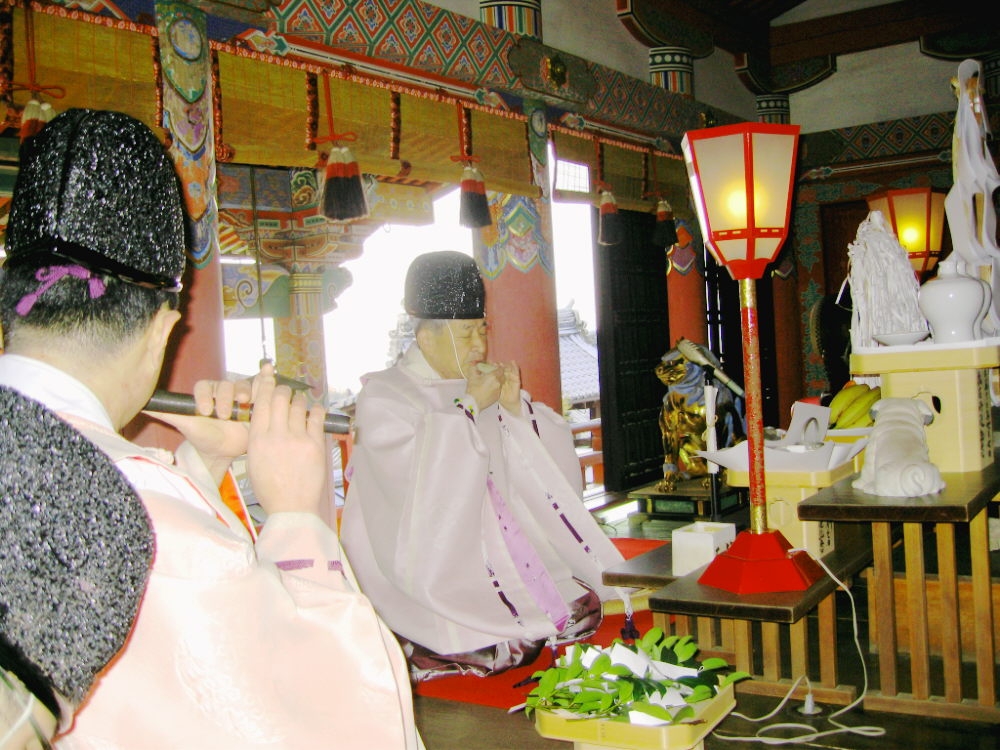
(590, 452)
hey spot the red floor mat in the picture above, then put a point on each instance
(500, 690)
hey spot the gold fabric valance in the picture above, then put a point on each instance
(668, 177)
(265, 110)
(97, 66)
(429, 138)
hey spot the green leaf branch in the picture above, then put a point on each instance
(658, 676)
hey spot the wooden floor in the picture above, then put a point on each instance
(449, 725)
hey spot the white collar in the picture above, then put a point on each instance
(416, 364)
(52, 387)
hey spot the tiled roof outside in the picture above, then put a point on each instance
(577, 359)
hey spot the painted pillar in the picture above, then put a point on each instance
(197, 349)
(515, 255)
(301, 351)
(672, 68)
(687, 304)
(516, 259)
(773, 108)
(788, 343)
(521, 310)
(516, 16)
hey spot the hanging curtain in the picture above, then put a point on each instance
(624, 171)
(668, 178)
(501, 143)
(364, 111)
(264, 112)
(427, 138)
(265, 108)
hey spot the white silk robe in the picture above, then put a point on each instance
(237, 644)
(420, 525)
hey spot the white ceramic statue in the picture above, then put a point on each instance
(897, 461)
(884, 289)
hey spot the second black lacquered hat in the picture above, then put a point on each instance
(445, 285)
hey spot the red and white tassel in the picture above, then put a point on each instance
(34, 117)
(609, 225)
(343, 192)
(474, 208)
(665, 233)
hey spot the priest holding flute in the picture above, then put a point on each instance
(244, 638)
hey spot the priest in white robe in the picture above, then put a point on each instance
(464, 520)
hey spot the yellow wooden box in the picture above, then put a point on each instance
(955, 383)
(784, 490)
(603, 733)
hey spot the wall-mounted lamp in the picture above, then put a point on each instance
(917, 217)
(741, 179)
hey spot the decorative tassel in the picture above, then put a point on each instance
(609, 227)
(665, 233)
(343, 196)
(343, 192)
(34, 117)
(630, 632)
(474, 211)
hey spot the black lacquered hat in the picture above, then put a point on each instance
(75, 551)
(444, 285)
(96, 188)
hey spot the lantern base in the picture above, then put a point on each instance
(758, 563)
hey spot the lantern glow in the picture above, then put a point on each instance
(917, 217)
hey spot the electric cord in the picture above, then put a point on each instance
(454, 349)
(809, 733)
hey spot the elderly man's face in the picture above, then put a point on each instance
(455, 347)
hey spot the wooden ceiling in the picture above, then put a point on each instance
(949, 28)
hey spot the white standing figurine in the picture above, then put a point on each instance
(969, 205)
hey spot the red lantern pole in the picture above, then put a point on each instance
(741, 178)
(754, 405)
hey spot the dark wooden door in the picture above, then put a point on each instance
(632, 335)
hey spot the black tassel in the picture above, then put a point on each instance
(665, 233)
(343, 193)
(609, 226)
(630, 632)
(474, 209)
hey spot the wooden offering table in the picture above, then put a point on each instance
(727, 624)
(962, 506)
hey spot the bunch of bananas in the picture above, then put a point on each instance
(850, 409)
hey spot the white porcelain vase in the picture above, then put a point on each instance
(954, 304)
